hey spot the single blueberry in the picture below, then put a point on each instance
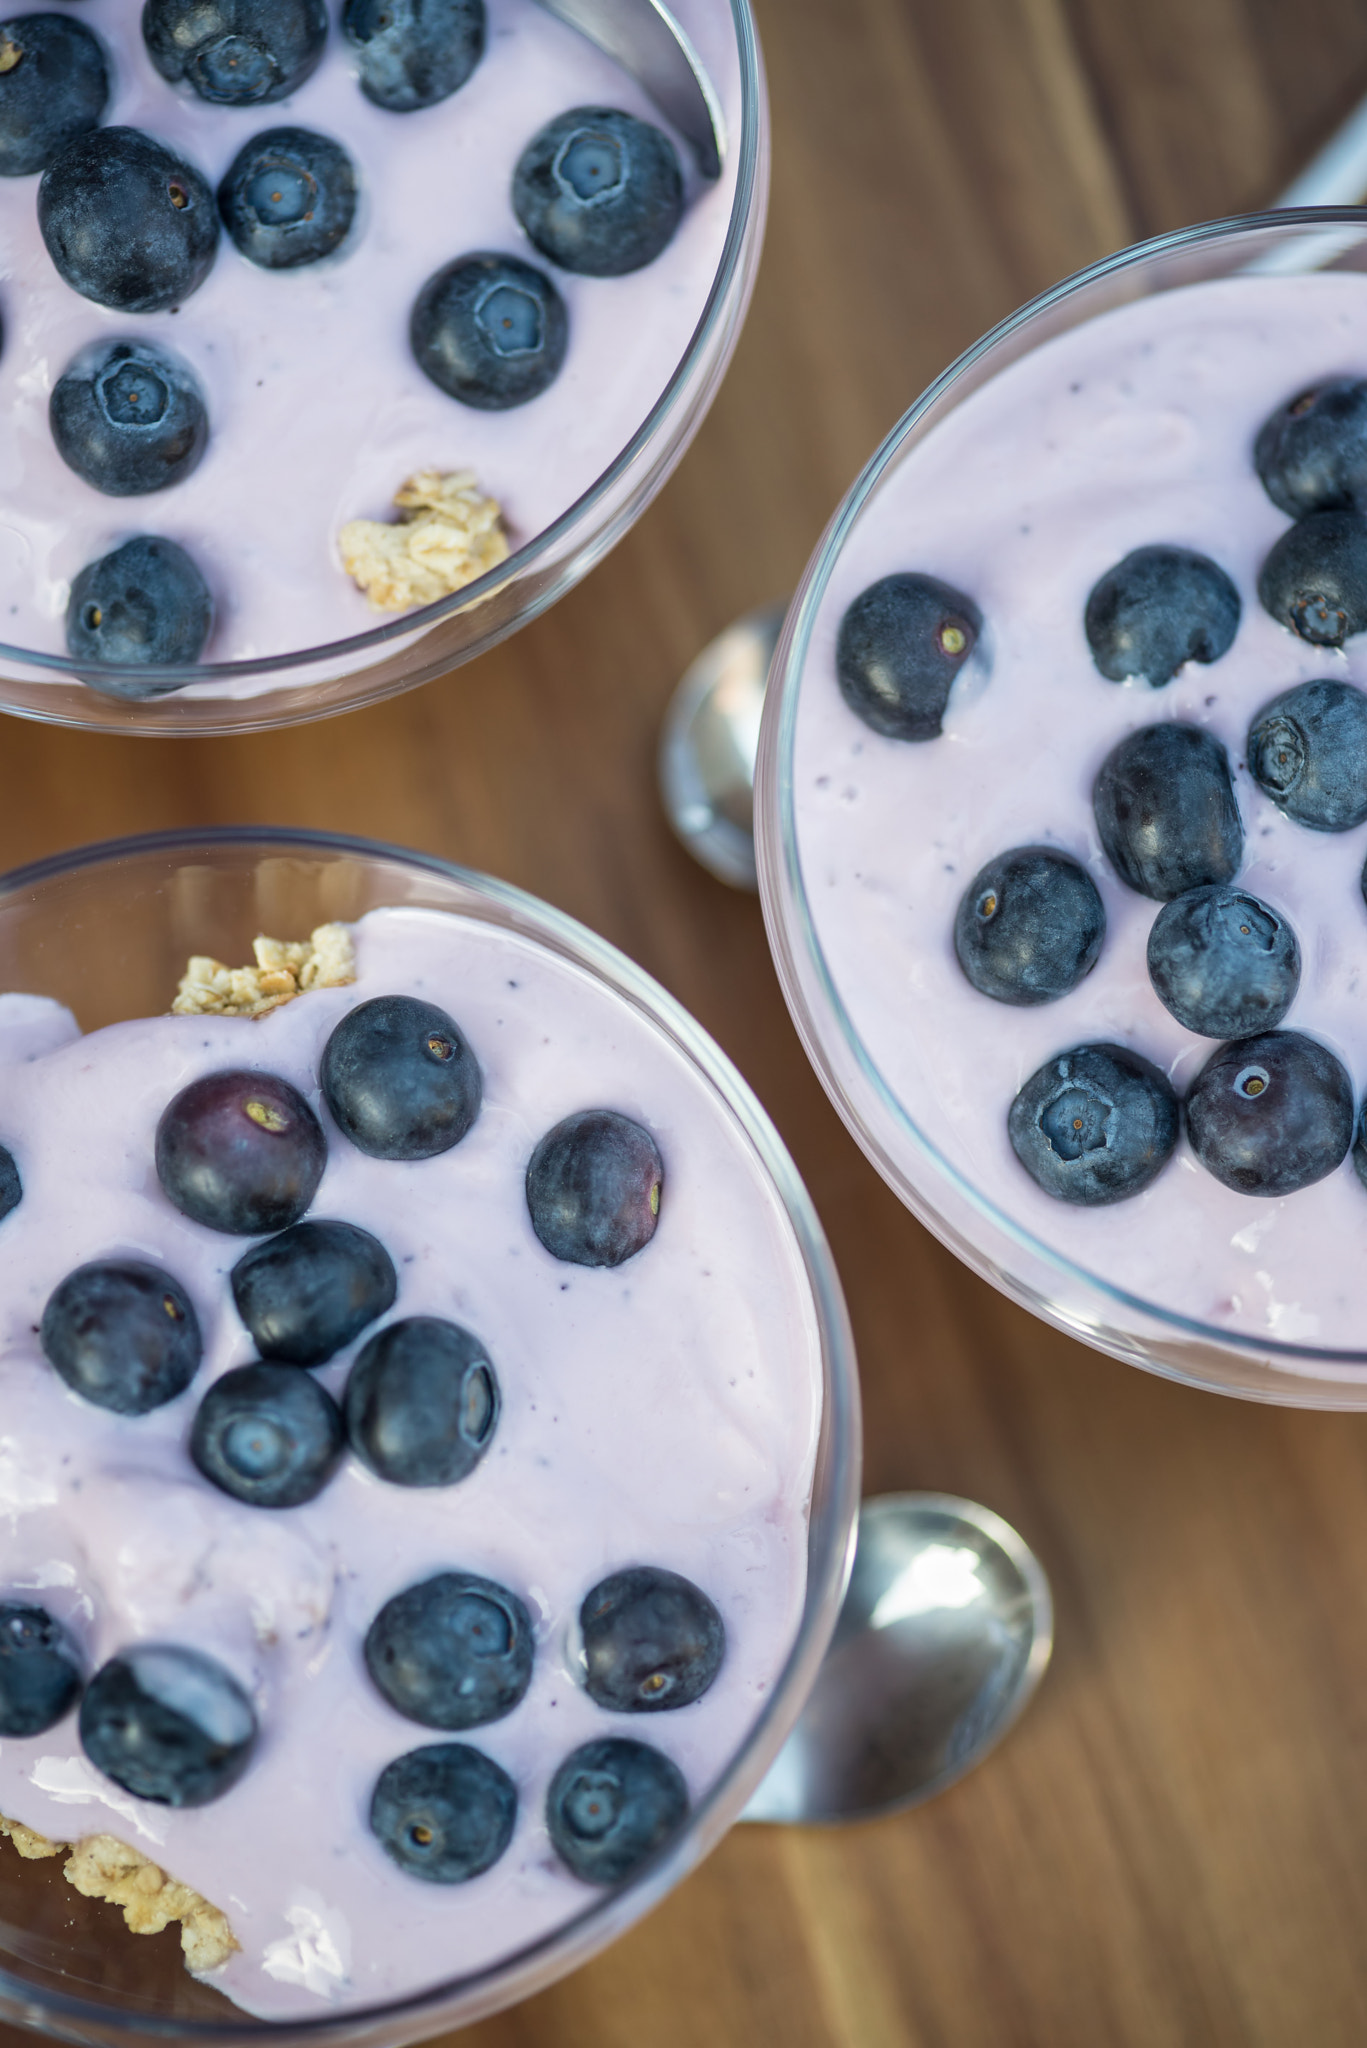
(122, 1334)
(1223, 962)
(40, 1669)
(611, 1804)
(422, 1403)
(900, 646)
(54, 85)
(308, 1293)
(11, 1187)
(1360, 1144)
(1312, 452)
(1165, 810)
(652, 1641)
(1314, 581)
(143, 605)
(599, 192)
(1308, 750)
(269, 1435)
(1271, 1114)
(1094, 1125)
(240, 1152)
(444, 1813)
(168, 1724)
(413, 53)
(400, 1079)
(490, 331)
(1158, 609)
(288, 197)
(127, 223)
(128, 417)
(453, 1652)
(593, 1188)
(236, 53)
(1029, 926)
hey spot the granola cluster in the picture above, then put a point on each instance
(446, 535)
(102, 1867)
(284, 969)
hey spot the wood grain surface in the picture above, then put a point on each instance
(1172, 1847)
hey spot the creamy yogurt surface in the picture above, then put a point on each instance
(1136, 427)
(664, 1412)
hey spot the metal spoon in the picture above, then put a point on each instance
(645, 39)
(945, 1633)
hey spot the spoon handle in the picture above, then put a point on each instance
(645, 39)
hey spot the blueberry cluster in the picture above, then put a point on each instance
(1272, 1110)
(243, 1152)
(132, 226)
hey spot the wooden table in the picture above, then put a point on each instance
(1172, 1848)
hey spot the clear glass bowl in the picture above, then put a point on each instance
(107, 929)
(932, 1184)
(316, 682)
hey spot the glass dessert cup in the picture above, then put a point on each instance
(400, 652)
(964, 1214)
(107, 929)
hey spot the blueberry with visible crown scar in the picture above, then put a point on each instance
(453, 1652)
(400, 1079)
(413, 53)
(422, 1403)
(269, 1435)
(168, 1724)
(123, 1334)
(1029, 926)
(1094, 1125)
(1307, 750)
(1223, 962)
(444, 1813)
(1157, 610)
(611, 1804)
(599, 192)
(490, 331)
(308, 1293)
(240, 1152)
(54, 85)
(127, 223)
(129, 417)
(1165, 810)
(1271, 1114)
(236, 53)
(1314, 581)
(40, 1669)
(1312, 452)
(288, 198)
(653, 1641)
(901, 644)
(594, 1187)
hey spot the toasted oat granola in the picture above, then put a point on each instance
(285, 968)
(102, 1867)
(446, 535)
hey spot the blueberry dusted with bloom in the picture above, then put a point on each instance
(594, 1185)
(127, 222)
(54, 85)
(599, 192)
(143, 606)
(129, 417)
(308, 1293)
(1165, 810)
(122, 1334)
(240, 1152)
(288, 197)
(1314, 581)
(40, 1669)
(1157, 610)
(1307, 750)
(269, 1435)
(168, 1724)
(1094, 1125)
(413, 53)
(444, 1813)
(422, 1403)
(611, 1804)
(490, 331)
(1312, 452)
(901, 644)
(652, 1641)
(400, 1079)
(235, 53)
(1272, 1114)
(1224, 963)
(11, 1187)
(1029, 926)
(453, 1652)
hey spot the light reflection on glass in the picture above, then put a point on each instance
(941, 1575)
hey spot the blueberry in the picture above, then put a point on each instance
(240, 1152)
(128, 417)
(1094, 1125)
(1308, 750)
(1360, 1145)
(288, 198)
(127, 223)
(599, 192)
(1158, 609)
(1315, 579)
(122, 1334)
(901, 644)
(1312, 453)
(1029, 926)
(490, 330)
(11, 1187)
(40, 1670)
(54, 85)
(236, 53)
(422, 1403)
(453, 1652)
(400, 1079)
(168, 1724)
(593, 1188)
(611, 1803)
(414, 52)
(269, 1435)
(652, 1641)
(306, 1294)
(1270, 1114)
(444, 1813)
(1223, 962)
(1165, 810)
(144, 605)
